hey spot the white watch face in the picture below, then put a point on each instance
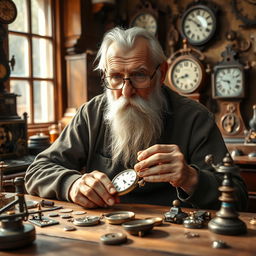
(199, 26)
(125, 181)
(186, 75)
(147, 21)
(229, 82)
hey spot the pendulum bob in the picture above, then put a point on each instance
(15, 234)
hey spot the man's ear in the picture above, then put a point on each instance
(163, 68)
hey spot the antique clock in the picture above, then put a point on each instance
(8, 11)
(198, 23)
(245, 10)
(186, 73)
(13, 129)
(146, 17)
(228, 87)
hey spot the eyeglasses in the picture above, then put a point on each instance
(137, 79)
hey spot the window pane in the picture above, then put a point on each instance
(42, 58)
(21, 88)
(43, 102)
(18, 46)
(21, 22)
(41, 17)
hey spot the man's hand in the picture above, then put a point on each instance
(93, 190)
(165, 163)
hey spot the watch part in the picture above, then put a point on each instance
(113, 238)
(87, 221)
(119, 217)
(139, 227)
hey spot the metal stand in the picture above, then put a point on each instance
(226, 221)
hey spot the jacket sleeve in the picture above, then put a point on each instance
(55, 169)
(207, 139)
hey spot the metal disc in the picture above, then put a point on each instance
(87, 221)
(66, 210)
(113, 238)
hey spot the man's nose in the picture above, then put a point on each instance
(128, 90)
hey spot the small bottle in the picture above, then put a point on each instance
(53, 132)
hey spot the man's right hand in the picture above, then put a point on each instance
(93, 190)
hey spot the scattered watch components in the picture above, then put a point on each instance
(31, 204)
(53, 214)
(204, 215)
(219, 244)
(46, 203)
(138, 227)
(157, 220)
(66, 216)
(175, 215)
(65, 210)
(43, 221)
(79, 212)
(69, 228)
(193, 221)
(87, 221)
(119, 217)
(113, 238)
(191, 235)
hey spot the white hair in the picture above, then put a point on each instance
(135, 124)
(126, 38)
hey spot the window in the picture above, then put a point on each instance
(31, 41)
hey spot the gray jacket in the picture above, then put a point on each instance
(83, 147)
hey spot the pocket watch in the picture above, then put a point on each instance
(198, 23)
(8, 11)
(186, 72)
(125, 181)
(145, 17)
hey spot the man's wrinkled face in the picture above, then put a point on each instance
(124, 62)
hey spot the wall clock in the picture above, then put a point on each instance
(245, 10)
(8, 11)
(198, 23)
(186, 73)
(146, 17)
(228, 87)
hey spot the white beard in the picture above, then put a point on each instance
(135, 124)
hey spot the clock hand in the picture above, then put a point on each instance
(183, 76)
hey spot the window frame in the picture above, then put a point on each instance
(57, 79)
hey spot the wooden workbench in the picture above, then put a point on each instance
(166, 239)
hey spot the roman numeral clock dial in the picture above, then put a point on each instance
(125, 181)
(228, 88)
(198, 23)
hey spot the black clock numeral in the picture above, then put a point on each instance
(186, 63)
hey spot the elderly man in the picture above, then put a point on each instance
(136, 123)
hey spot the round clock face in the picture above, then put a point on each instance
(8, 11)
(198, 25)
(229, 82)
(125, 181)
(147, 21)
(186, 75)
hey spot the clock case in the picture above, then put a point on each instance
(228, 61)
(196, 56)
(205, 5)
(145, 7)
(13, 128)
(229, 118)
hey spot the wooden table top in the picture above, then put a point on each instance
(166, 239)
